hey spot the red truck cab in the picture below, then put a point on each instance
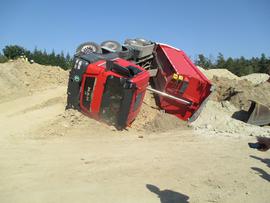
(108, 90)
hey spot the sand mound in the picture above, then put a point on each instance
(239, 92)
(216, 118)
(19, 78)
(152, 119)
(231, 95)
(165, 122)
(256, 78)
(221, 73)
(147, 114)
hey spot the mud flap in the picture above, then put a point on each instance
(259, 114)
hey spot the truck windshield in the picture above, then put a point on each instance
(112, 99)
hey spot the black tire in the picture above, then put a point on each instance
(88, 47)
(116, 46)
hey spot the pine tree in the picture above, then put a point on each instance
(203, 62)
(221, 62)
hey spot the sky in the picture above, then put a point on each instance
(233, 27)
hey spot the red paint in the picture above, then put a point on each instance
(172, 61)
(98, 70)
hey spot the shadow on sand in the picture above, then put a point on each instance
(261, 172)
(266, 161)
(168, 196)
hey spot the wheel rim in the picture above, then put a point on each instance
(87, 49)
(111, 45)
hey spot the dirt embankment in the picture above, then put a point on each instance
(19, 78)
(231, 95)
(239, 92)
(255, 78)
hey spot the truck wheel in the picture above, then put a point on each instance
(143, 41)
(130, 42)
(112, 45)
(88, 47)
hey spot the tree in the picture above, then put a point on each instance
(13, 51)
(221, 62)
(69, 61)
(264, 64)
(203, 61)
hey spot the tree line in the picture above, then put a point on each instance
(38, 56)
(239, 66)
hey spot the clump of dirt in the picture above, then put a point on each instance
(20, 78)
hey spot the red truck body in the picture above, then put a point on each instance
(179, 77)
(108, 83)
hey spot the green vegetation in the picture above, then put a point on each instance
(3, 58)
(239, 66)
(12, 52)
(41, 57)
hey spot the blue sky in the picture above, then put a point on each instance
(234, 28)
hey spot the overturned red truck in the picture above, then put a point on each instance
(108, 81)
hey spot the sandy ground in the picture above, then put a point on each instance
(40, 162)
